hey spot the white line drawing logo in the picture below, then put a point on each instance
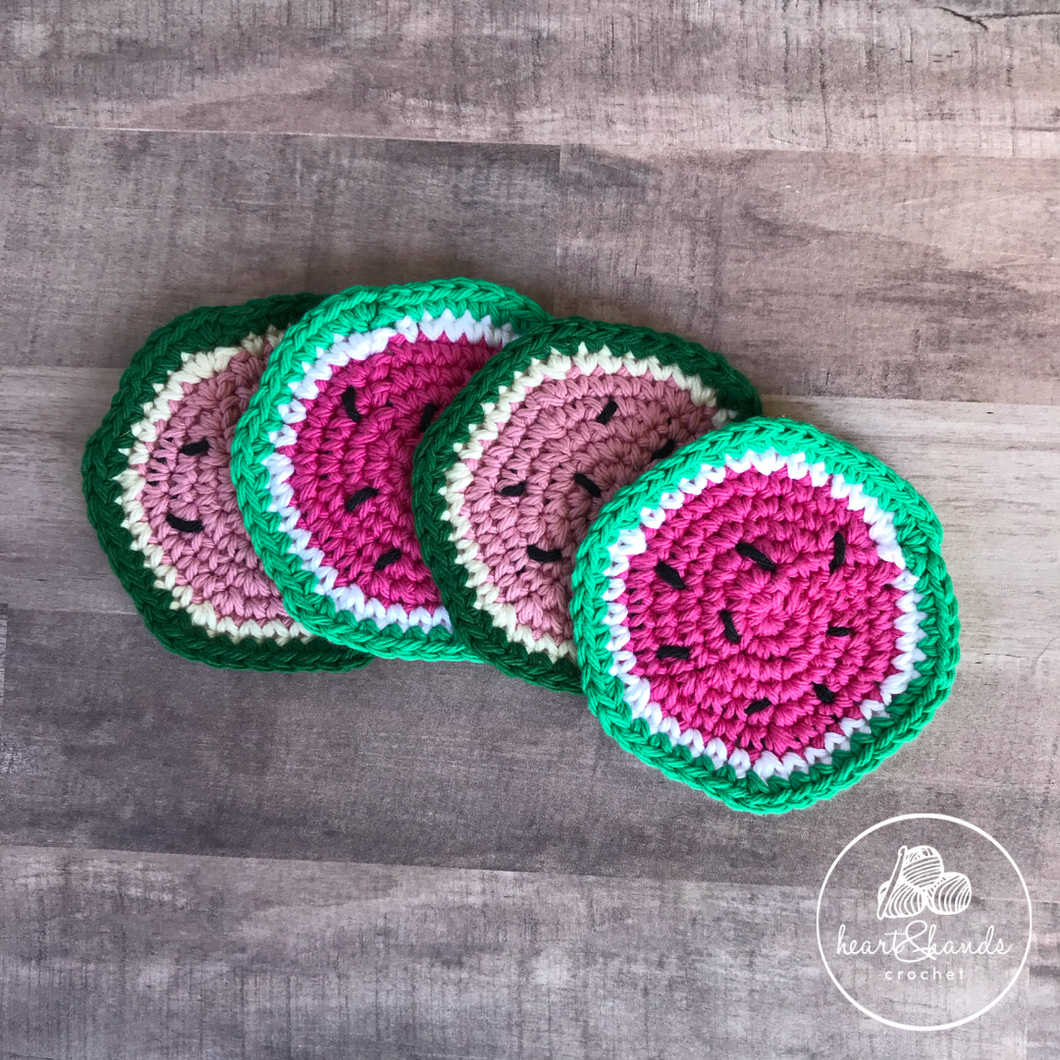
(919, 881)
(924, 922)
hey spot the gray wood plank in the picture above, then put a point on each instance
(1043, 1014)
(108, 235)
(974, 77)
(819, 273)
(816, 273)
(109, 741)
(108, 956)
(56, 563)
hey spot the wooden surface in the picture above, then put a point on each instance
(859, 204)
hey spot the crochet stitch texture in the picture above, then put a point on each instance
(159, 494)
(323, 457)
(766, 615)
(509, 478)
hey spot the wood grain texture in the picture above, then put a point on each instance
(107, 236)
(888, 75)
(141, 957)
(1043, 1024)
(818, 273)
(109, 741)
(815, 273)
(50, 414)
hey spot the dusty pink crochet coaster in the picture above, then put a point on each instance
(160, 494)
(513, 473)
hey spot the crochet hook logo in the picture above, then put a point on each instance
(917, 942)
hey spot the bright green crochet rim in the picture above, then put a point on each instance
(919, 536)
(205, 328)
(356, 309)
(438, 451)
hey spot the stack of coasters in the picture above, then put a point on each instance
(160, 497)
(766, 615)
(323, 457)
(512, 474)
(427, 471)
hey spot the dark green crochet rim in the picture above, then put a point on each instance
(205, 328)
(919, 536)
(356, 309)
(437, 453)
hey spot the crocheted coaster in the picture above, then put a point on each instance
(322, 459)
(766, 615)
(509, 478)
(156, 480)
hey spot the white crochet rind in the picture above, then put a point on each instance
(345, 348)
(495, 415)
(637, 693)
(194, 368)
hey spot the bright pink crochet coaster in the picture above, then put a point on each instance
(766, 615)
(323, 458)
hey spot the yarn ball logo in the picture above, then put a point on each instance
(924, 922)
(918, 880)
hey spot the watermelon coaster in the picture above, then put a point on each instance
(509, 478)
(766, 615)
(160, 496)
(322, 459)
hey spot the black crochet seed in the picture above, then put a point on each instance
(671, 651)
(608, 411)
(748, 551)
(756, 706)
(669, 575)
(838, 631)
(516, 490)
(358, 498)
(824, 694)
(588, 485)
(349, 403)
(732, 634)
(390, 556)
(428, 415)
(185, 526)
(196, 448)
(839, 551)
(665, 449)
(543, 555)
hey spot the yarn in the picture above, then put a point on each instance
(511, 476)
(765, 615)
(323, 458)
(156, 480)
(950, 894)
